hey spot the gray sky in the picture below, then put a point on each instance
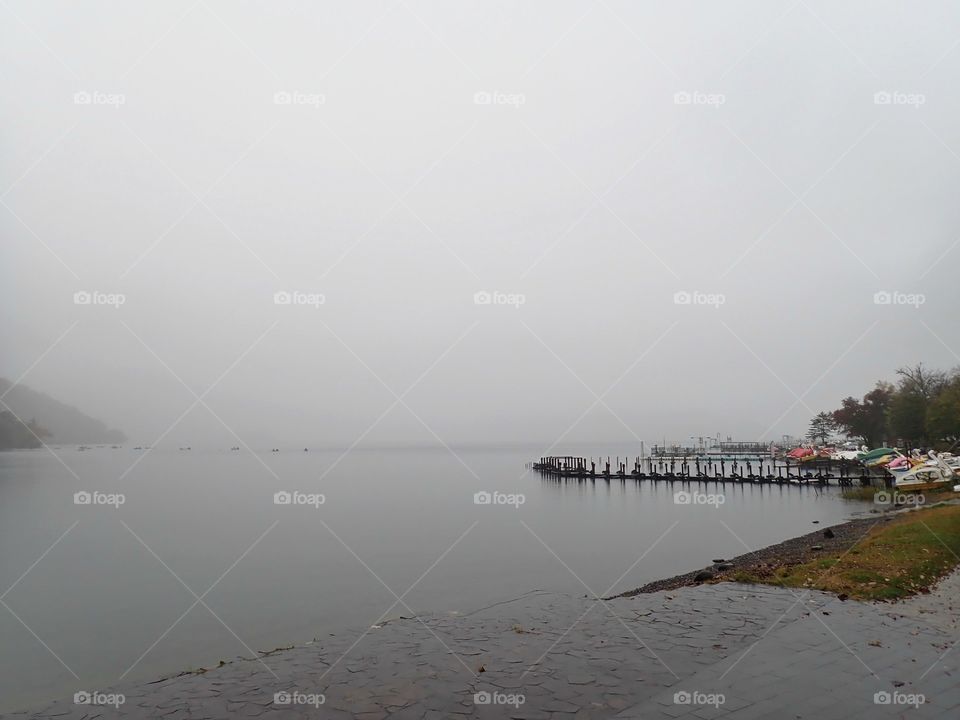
(541, 151)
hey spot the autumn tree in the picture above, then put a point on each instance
(867, 418)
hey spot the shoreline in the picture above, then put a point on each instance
(824, 547)
(764, 561)
(632, 661)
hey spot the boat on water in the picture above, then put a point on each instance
(927, 476)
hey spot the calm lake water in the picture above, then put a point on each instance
(106, 605)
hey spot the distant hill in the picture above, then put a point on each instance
(14, 435)
(52, 420)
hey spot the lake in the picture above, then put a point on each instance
(113, 597)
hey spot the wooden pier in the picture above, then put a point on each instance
(709, 469)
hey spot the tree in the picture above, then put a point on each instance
(943, 413)
(822, 427)
(867, 418)
(908, 417)
(923, 382)
(916, 390)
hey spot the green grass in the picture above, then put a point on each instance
(895, 560)
(859, 493)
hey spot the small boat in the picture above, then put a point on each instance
(878, 457)
(952, 461)
(927, 477)
(899, 464)
(845, 454)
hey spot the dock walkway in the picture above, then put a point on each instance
(709, 469)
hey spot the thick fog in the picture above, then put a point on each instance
(182, 163)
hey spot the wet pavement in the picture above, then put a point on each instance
(725, 650)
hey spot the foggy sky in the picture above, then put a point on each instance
(584, 186)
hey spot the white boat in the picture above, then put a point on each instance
(845, 454)
(927, 476)
(952, 461)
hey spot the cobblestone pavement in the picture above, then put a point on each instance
(762, 651)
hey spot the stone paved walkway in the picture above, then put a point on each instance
(765, 652)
